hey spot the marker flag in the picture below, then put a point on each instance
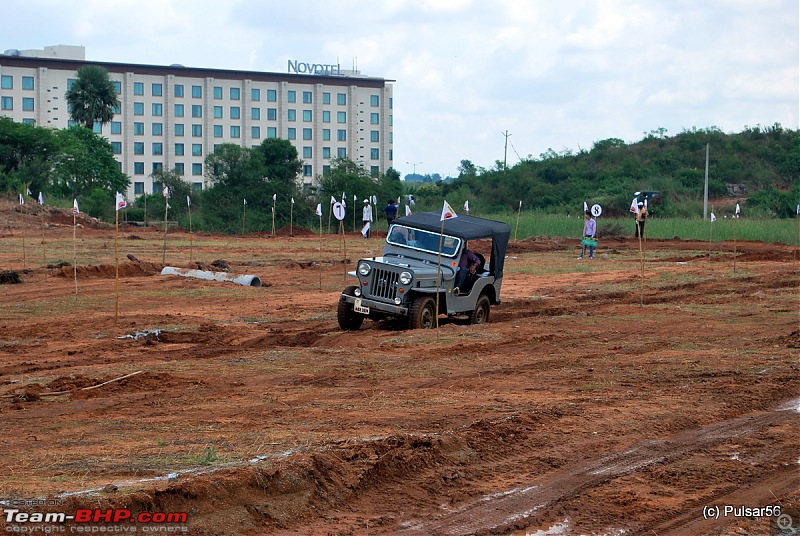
(121, 203)
(408, 210)
(738, 210)
(520, 204)
(245, 201)
(365, 229)
(29, 193)
(319, 210)
(293, 200)
(41, 199)
(75, 209)
(274, 197)
(22, 201)
(333, 200)
(398, 200)
(447, 212)
(645, 203)
(166, 192)
(585, 206)
(188, 201)
(466, 206)
(634, 207)
(374, 200)
(713, 218)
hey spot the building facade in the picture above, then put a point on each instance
(171, 117)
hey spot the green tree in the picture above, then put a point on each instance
(85, 163)
(27, 156)
(92, 98)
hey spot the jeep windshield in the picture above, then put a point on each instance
(425, 241)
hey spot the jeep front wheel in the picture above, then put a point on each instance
(349, 320)
(481, 313)
(422, 313)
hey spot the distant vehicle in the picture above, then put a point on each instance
(648, 195)
(403, 281)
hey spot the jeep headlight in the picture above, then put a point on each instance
(364, 269)
(405, 278)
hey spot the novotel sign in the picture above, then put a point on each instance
(314, 68)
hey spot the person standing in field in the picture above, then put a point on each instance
(641, 218)
(589, 233)
(390, 211)
(366, 218)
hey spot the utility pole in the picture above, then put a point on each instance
(505, 151)
(414, 164)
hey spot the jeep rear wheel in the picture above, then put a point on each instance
(481, 313)
(422, 314)
(349, 320)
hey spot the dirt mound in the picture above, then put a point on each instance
(127, 269)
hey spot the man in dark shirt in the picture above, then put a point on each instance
(390, 211)
(468, 264)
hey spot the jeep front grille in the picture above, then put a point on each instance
(384, 284)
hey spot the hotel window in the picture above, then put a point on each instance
(217, 112)
(235, 112)
(306, 171)
(307, 116)
(197, 110)
(118, 109)
(391, 103)
(6, 81)
(197, 169)
(326, 134)
(374, 119)
(117, 87)
(255, 94)
(292, 134)
(291, 95)
(341, 135)
(97, 127)
(255, 133)
(255, 113)
(373, 170)
(272, 132)
(291, 114)
(306, 133)
(374, 154)
(391, 120)
(138, 129)
(326, 152)
(197, 131)
(158, 109)
(138, 188)
(197, 149)
(272, 114)
(179, 129)
(197, 185)
(178, 91)
(272, 95)
(306, 97)
(306, 152)
(326, 98)
(158, 148)
(217, 131)
(158, 166)
(138, 168)
(157, 129)
(138, 108)
(374, 100)
(179, 168)
(71, 82)
(341, 117)
(179, 110)
(374, 136)
(138, 147)
(341, 152)
(116, 147)
(116, 127)
(235, 93)
(27, 82)
(27, 104)
(341, 99)
(179, 151)
(326, 116)
(158, 90)
(138, 88)
(235, 131)
(197, 92)
(28, 121)
(217, 92)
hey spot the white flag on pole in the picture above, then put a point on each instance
(466, 206)
(274, 197)
(374, 200)
(365, 229)
(333, 200)
(520, 204)
(41, 199)
(634, 207)
(188, 201)
(22, 200)
(75, 207)
(121, 203)
(319, 210)
(585, 207)
(293, 200)
(29, 193)
(245, 201)
(713, 218)
(738, 210)
(447, 212)
(166, 192)
(408, 210)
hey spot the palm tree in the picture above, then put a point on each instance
(93, 97)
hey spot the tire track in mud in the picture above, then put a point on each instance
(522, 507)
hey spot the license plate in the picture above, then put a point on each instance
(357, 307)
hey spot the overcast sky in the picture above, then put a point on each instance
(558, 75)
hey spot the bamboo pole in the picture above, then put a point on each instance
(164, 247)
(516, 229)
(116, 265)
(74, 254)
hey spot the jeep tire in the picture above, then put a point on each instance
(349, 320)
(422, 314)
(481, 313)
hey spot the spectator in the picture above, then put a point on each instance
(367, 218)
(390, 211)
(589, 233)
(641, 218)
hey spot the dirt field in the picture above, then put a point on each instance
(594, 402)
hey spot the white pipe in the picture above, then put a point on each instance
(245, 280)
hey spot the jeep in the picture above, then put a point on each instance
(420, 261)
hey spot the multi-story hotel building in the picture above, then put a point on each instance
(173, 116)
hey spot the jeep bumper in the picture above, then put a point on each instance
(376, 305)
